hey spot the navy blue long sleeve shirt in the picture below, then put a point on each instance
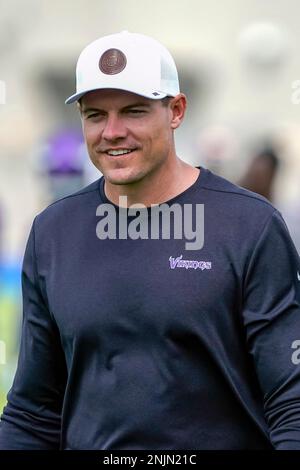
(130, 344)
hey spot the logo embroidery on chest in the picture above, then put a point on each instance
(188, 264)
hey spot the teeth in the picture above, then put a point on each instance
(118, 152)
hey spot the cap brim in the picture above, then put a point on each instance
(156, 95)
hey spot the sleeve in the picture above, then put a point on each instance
(31, 419)
(271, 316)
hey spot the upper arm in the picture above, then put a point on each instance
(36, 397)
(272, 319)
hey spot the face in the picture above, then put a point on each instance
(129, 137)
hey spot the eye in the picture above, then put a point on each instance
(92, 115)
(136, 111)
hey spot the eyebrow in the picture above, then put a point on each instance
(126, 108)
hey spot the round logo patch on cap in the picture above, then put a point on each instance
(112, 61)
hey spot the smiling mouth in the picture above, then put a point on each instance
(119, 153)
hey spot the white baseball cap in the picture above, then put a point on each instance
(126, 61)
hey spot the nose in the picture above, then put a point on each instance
(114, 128)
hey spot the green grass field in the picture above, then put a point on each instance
(2, 401)
(9, 332)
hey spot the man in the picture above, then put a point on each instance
(133, 339)
(261, 172)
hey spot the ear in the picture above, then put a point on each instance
(78, 105)
(177, 107)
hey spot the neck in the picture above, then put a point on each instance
(156, 188)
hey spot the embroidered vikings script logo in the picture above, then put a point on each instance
(112, 61)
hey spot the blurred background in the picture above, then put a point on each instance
(239, 65)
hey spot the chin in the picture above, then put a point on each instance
(121, 177)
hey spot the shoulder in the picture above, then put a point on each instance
(218, 184)
(71, 206)
(233, 213)
(228, 196)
